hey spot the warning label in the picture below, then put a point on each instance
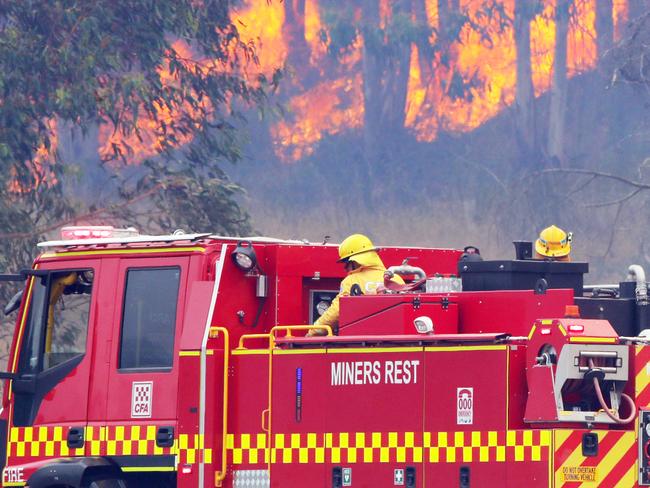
(464, 406)
(580, 473)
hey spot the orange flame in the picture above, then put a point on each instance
(260, 22)
(484, 71)
(152, 132)
(40, 166)
(431, 104)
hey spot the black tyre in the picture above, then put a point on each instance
(106, 483)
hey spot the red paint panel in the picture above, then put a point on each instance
(512, 311)
(292, 422)
(382, 408)
(214, 406)
(394, 314)
(248, 399)
(188, 412)
(196, 315)
(447, 371)
(541, 405)
(517, 387)
(165, 383)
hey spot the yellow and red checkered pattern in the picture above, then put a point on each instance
(390, 447)
(39, 442)
(115, 440)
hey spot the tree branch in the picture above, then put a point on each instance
(89, 215)
(618, 201)
(594, 174)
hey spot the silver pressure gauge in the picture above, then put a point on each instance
(322, 306)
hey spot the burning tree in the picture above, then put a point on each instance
(89, 88)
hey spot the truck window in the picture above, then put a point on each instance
(57, 324)
(149, 318)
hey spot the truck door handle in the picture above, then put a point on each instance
(410, 477)
(75, 437)
(165, 437)
(337, 477)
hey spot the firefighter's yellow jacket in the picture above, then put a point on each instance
(367, 277)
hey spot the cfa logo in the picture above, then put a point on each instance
(141, 399)
(13, 475)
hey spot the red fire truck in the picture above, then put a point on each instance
(181, 360)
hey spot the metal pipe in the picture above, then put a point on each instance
(221, 475)
(591, 287)
(604, 369)
(406, 269)
(641, 339)
(598, 354)
(203, 359)
(636, 273)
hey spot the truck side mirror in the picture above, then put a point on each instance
(13, 304)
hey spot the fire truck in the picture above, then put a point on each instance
(182, 361)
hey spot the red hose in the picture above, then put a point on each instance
(607, 410)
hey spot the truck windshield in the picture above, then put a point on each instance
(57, 322)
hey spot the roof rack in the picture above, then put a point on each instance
(141, 239)
(122, 240)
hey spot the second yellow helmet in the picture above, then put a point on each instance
(553, 242)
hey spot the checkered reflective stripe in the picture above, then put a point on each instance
(389, 447)
(244, 478)
(39, 442)
(115, 440)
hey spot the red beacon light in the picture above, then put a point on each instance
(76, 232)
(577, 328)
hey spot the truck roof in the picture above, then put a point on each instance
(141, 239)
(193, 238)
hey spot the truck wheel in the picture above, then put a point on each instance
(106, 483)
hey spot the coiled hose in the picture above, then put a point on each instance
(608, 411)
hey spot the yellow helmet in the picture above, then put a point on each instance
(360, 249)
(553, 242)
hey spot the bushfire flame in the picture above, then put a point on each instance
(325, 96)
(336, 104)
(40, 166)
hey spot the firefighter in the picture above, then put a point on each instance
(365, 273)
(553, 244)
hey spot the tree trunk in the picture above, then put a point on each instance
(372, 74)
(89, 182)
(293, 31)
(396, 77)
(604, 26)
(448, 11)
(425, 50)
(559, 87)
(524, 92)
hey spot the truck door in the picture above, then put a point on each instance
(48, 398)
(136, 396)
